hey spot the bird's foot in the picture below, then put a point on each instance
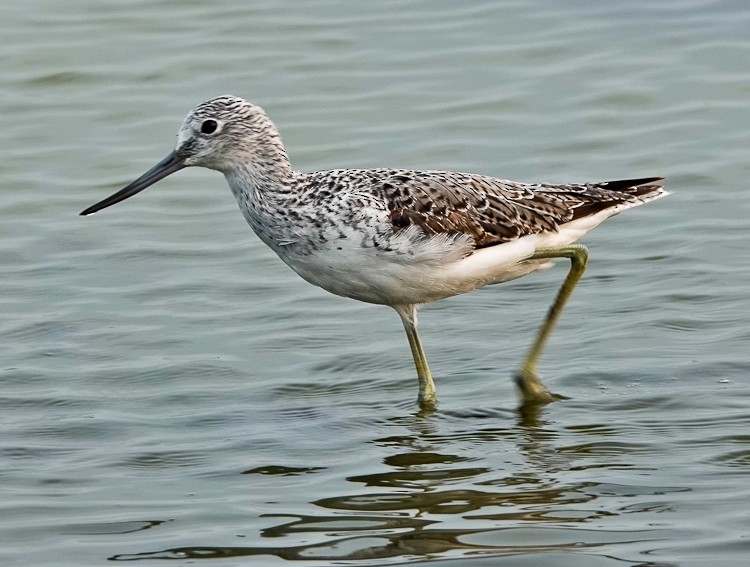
(427, 399)
(533, 392)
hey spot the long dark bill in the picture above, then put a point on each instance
(165, 167)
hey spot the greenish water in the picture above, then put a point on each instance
(169, 390)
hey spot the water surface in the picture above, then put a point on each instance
(170, 391)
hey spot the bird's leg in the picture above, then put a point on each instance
(427, 391)
(527, 378)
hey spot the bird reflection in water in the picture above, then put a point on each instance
(436, 477)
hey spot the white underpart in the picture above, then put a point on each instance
(420, 270)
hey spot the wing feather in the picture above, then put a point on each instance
(492, 211)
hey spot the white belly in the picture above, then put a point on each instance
(422, 270)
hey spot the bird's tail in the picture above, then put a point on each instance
(646, 189)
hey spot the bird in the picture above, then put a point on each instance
(397, 237)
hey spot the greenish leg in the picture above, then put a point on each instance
(427, 391)
(527, 378)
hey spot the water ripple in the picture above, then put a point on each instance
(171, 391)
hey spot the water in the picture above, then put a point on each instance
(170, 390)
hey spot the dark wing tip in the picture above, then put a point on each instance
(623, 184)
(646, 188)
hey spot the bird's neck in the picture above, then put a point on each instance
(263, 187)
(267, 175)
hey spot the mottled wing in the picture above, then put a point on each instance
(492, 211)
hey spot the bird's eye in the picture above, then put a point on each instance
(209, 126)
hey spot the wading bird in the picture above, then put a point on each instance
(396, 237)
